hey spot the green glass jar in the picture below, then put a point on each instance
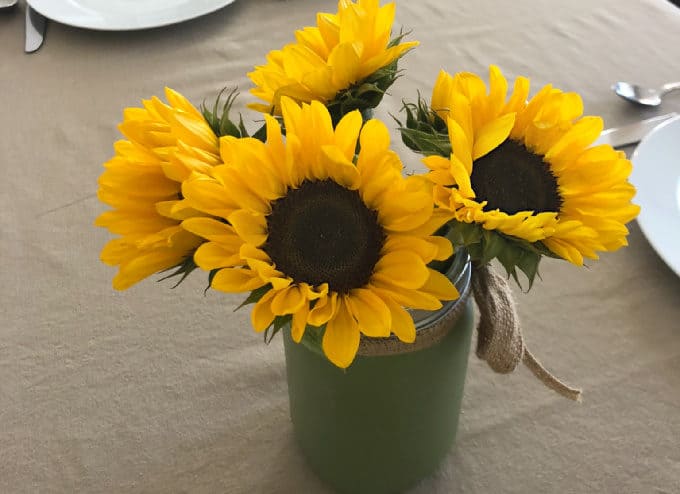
(390, 418)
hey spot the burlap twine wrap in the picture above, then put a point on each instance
(499, 340)
(427, 336)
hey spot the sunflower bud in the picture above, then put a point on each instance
(424, 131)
(218, 118)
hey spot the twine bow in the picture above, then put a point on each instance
(499, 340)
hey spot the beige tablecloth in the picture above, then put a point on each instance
(161, 390)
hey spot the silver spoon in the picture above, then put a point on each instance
(644, 95)
(5, 4)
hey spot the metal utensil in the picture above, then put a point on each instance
(632, 133)
(35, 29)
(6, 4)
(645, 96)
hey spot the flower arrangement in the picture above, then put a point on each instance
(311, 216)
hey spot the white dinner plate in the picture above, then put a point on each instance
(124, 15)
(656, 175)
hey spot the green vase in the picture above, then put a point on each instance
(388, 420)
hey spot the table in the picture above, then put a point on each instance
(162, 390)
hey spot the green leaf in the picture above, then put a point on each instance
(466, 233)
(241, 126)
(210, 119)
(513, 253)
(211, 275)
(424, 131)
(261, 133)
(255, 296)
(493, 246)
(397, 39)
(218, 118)
(425, 142)
(313, 337)
(186, 267)
(217, 101)
(529, 266)
(228, 128)
(476, 251)
(509, 257)
(277, 325)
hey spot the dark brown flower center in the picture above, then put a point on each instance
(322, 232)
(511, 178)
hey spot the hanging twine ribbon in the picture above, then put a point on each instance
(499, 339)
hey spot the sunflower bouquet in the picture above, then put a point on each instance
(311, 216)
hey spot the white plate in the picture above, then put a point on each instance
(123, 15)
(656, 175)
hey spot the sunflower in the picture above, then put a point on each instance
(142, 183)
(342, 50)
(527, 169)
(321, 236)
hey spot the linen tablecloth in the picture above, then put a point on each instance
(169, 390)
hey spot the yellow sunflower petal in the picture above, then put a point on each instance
(311, 37)
(236, 280)
(179, 101)
(243, 192)
(438, 219)
(564, 250)
(212, 255)
(414, 299)
(267, 273)
(581, 135)
(402, 322)
(405, 211)
(288, 301)
(324, 309)
(441, 94)
(292, 114)
(443, 247)
(250, 226)
(372, 315)
(249, 251)
(341, 339)
(437, 163)
(461, 144)
(347, 133)
(492, 135)
(341, 170)
(461, 176)
(498, 89)
(439, 286)
(520, 94)
(262, 316)
(143, 265)
(402, 268)
(345, 55)
(207, 194)
(461, 113)
(314, 293)
(374, 140)
(210, 229)
(195, 131)
(299, 323)
(426, 250)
